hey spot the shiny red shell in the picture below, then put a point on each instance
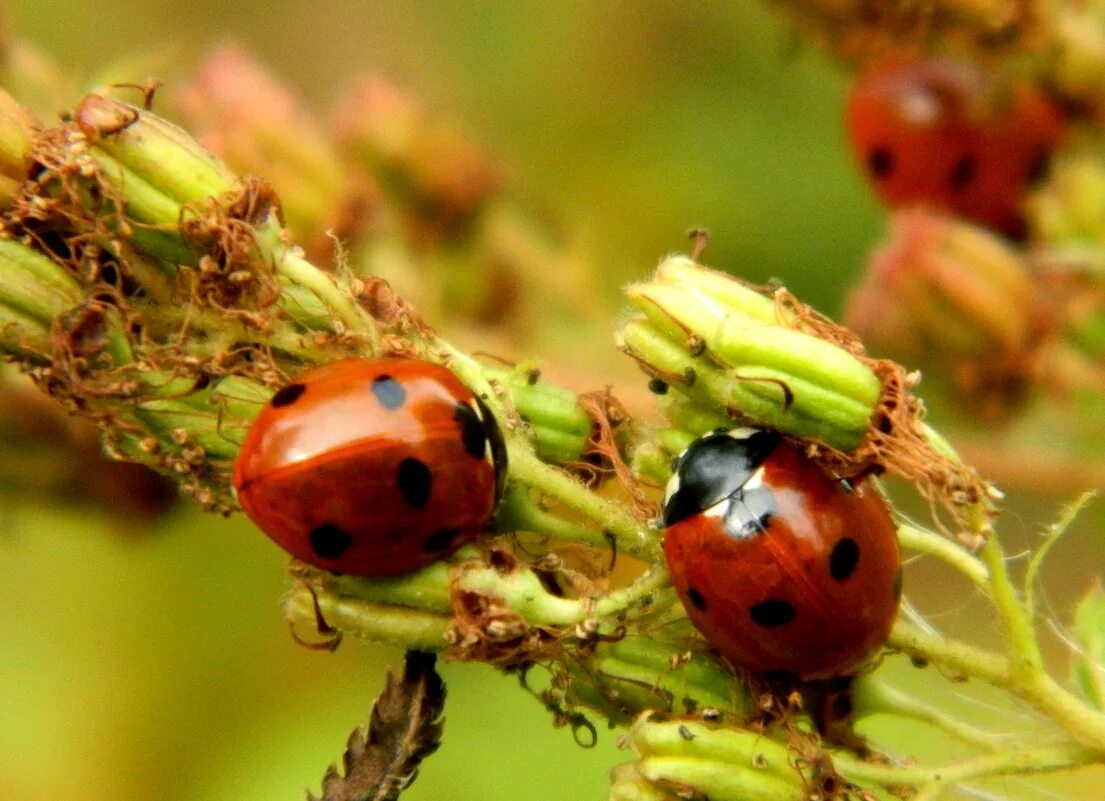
(371, 467)
(784, 569)
(940, 133)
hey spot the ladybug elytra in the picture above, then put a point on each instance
(372, 467)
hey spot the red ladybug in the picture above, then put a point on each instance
(372, 467)
(939, 133)
(784, 569)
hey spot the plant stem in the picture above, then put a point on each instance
(300, 271)
(632, 536)
(874, 696)
(1036, 688)
(932, 544)
(1039, 759)
(1054, 532)
(1016, 624)
(399, 626)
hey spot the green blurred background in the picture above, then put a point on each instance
(140, 663)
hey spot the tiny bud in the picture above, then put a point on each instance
(418, 158)
(960, 301)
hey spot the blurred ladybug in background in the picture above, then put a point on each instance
(372, 467)
(786, 570)
(943, 134)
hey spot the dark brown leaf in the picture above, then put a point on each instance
(405, 728)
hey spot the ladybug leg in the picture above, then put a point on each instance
(830, 702)
(332, 637)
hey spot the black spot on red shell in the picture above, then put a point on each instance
(286, 396)
(472, 432)
(880, 161)
(414, 480)
(772, 613)
(389, 392)
(963, 171)
(696, 599)
(843, 559)
(330, 541)
(897, 589)
(441, 540)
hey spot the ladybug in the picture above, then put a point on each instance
(940, 133)
(786, 570)
(372, 467)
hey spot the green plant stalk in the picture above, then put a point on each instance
(1088, 667)
(398, 626)
(1030, 759)
(718, 750)
(160, 170)
(873, 696)
(428, 590)
(33, 284)
(1024, 650)
(1054, 533)
(621, 689)
(632, 536)
(929, 543)
(1037, 689)
(790, 370)
(651, 463)
(519, 512)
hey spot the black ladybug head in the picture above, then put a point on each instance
(713, 468)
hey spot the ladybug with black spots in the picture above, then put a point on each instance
(944, 134)
(785, 569)
(372, 467)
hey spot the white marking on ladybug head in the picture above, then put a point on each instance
(672, 487)
(755, 481)
(741, 433)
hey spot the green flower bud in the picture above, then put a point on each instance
(727, 356)
(740, 749)
(147, 147)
